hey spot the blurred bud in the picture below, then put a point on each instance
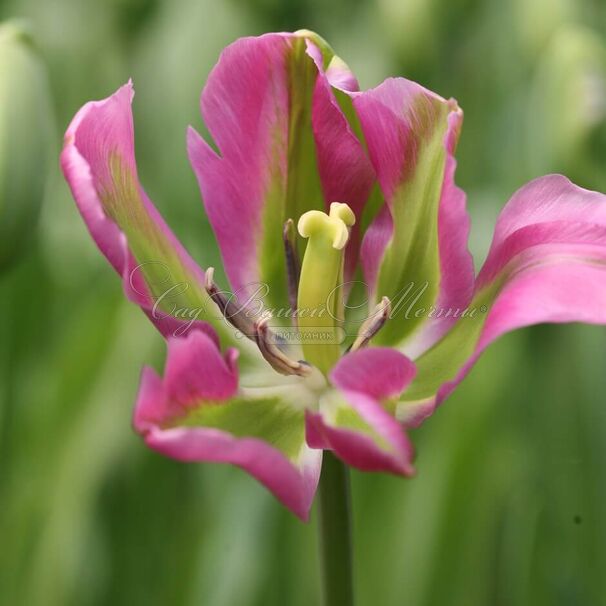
(25, 131)
(567, 109)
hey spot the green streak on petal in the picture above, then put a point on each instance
(303, 187)
(325, 48)
(289, 195)
(372, 207)
(160, 264)
(348, 418)
(271, 420)
(442, 362)
(412, 256)
(345, 103)
(272, 260)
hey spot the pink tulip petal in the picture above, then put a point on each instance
(378, 372)
(363, 434)
(197, 413)
(284, 147)
(547, 263)
(98, 162)
(294, 487)
(244, 105)
(456, 262)
(345, 169)
(552, 201)
(357, 424)
(341, 77)
(420, 235)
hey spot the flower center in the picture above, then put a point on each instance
(320, 307)
(315, 291)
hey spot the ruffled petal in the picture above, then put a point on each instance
(284, 147)
(547, 263)
(346, 172)
(415, 249)
(198, 413)
(98, 161)
(378, 372)
(356, 420)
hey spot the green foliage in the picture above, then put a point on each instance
(25, 131)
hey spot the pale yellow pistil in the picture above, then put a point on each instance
(320, 301)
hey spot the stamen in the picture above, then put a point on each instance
(279, 361)
(230, 310)
(256, 330)
(293, 264)
(372, 325)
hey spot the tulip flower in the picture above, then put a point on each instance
(341, 207)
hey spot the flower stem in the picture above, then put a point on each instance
(334, 527)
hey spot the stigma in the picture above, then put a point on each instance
(332, 227)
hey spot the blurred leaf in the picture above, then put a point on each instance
(567, 111)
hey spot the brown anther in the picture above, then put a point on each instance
(278, 360)
(372, 324)
(256, 330)
(293, 263)
(234, 314)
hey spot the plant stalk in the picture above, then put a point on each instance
(334, 527)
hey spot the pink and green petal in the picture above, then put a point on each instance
(356, 420)
(417, 242)
(269, 110)
(345, 170)
(361, 433)
(98, 161)
(245, 107)
(378, 372)
(547, 263)
(198, 413)
(456, 262)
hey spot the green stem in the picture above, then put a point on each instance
(334, 526)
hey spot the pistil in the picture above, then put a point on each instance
(320, 302)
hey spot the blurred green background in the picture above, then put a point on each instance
(510, 500)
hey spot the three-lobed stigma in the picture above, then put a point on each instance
(333, 227)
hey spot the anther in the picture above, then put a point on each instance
(230, 310)
(257, 331)
(372, 325)
(293, 264)
(279, 361)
